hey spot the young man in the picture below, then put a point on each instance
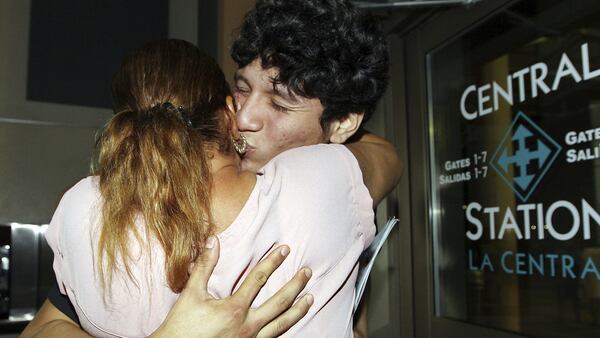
(310, 71)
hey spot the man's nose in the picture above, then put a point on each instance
(249, 115)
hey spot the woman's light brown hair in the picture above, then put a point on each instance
(152, 161)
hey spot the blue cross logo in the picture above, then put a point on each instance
(533, 152)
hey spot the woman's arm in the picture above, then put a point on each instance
(379, 162)
(196, 314)
(381, 167)
(51, 322)
(361, 327)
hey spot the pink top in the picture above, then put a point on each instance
(311, 198)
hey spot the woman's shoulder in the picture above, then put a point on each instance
(313, 151)
(317, 180)
(320, 159)
(86, 184)
(85, 190)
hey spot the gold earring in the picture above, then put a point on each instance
(240, 144)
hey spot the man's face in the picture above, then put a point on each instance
(272, 119)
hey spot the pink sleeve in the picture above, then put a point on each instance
(53, 239)
(323, 193)
(362, 198)
(327, 218)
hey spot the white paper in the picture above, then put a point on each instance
(367, 258)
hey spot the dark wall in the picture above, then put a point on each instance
(208, 14)
(76, 46)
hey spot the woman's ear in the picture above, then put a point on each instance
(230, 115)
(230, 104)
(341, 130)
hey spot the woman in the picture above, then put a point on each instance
(168, 177)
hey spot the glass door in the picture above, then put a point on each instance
(505, 114)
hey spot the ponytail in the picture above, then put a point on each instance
(153, 168)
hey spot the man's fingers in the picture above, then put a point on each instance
(283, 299)
(258, 276)
(203, 266)
(286, 320)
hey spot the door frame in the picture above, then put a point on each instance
(409, 52)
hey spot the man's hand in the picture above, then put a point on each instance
(50, 322)
(198, 314)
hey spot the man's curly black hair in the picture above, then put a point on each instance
(325, 49)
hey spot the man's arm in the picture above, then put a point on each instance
(51, 322)
(197, 314)
(379, 162)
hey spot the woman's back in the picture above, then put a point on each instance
(311, 198)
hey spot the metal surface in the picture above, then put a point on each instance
(24, 270)
(413, 4)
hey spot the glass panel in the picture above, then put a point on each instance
(381, 295)
(514, 144)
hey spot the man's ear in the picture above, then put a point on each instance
(342, 129)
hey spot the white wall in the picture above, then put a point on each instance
(44, 147)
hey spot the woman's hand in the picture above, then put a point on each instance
(198, 314)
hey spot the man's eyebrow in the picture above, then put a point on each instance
(239, 77)
(285, 93)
